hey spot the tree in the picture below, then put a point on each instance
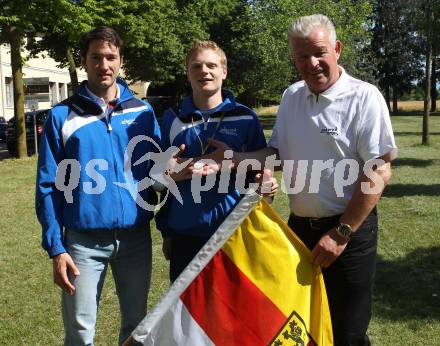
(16, 21)
(397, 47)
(150, 29)
(157, 34)
(57, 32)
(169, 29)
(260, 59)
(252, 33)
(435, 73)
(429, 16)
(434, 78)
(60, 37)
(155, 49)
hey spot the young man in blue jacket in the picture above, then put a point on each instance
(88, 196)
(209, 112)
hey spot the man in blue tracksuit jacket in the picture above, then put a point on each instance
(209, 112)
(92, 211)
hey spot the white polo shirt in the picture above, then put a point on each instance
(327, 136)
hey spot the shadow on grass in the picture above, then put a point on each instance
(414, 112)
(412, 162)
(409, 288)
(400, 190)
(414, 133)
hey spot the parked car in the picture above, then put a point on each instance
(3, 127)
(40, 117)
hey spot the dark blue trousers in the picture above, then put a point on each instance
(349, 280)
(183, 250)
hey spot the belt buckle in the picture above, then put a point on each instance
(314, 223)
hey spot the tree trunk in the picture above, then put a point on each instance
(434, 86)
(387, 96)
(72, 71)
(428, 65)
(395, 110)
(17, 77)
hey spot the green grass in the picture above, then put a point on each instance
(407, 294)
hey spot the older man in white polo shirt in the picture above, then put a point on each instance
(329, 130)
(335, 121)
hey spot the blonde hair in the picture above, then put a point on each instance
(303, 27)
(203, 45)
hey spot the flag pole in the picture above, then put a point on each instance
(128, 342)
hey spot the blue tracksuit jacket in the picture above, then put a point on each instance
(89, 148)
(239, 128)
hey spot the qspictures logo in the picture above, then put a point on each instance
(342, 174)
(162, 164)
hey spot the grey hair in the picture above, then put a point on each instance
(303, 27)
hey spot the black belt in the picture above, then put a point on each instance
(317, 223)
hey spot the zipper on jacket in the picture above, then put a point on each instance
(115, 166)
(109, 118)
(110, 107)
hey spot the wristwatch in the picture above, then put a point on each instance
(344, 230)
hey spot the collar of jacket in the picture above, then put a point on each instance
(187, 109)
(85, 105)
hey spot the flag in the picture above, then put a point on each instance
(253, 283)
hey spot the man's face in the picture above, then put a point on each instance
(316, 60)
(205, 72)
(102, 63)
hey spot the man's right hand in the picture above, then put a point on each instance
(62, 265)
(212, 163)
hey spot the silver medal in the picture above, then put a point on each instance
(199, 165)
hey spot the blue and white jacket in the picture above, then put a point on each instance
(87, 148)
(239, 128)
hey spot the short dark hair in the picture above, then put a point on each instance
(103, 33)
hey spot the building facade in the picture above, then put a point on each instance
(45, 84)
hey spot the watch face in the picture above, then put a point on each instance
(345, 230)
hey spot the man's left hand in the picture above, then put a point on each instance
(268, 185)
(329, 247)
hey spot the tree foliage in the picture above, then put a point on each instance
(258, 47)
(60, 37)
(397, 47)
(158, 33)
(156, 44)
(253, 34)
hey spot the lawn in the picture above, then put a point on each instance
(407, 293)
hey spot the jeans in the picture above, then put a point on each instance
(128, 251)
(349, 280)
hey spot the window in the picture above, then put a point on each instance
(9, 92)
(62, 90)
(35, 89)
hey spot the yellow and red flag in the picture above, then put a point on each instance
(252, 284)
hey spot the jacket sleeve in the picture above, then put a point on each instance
(48, 199)
(255, 138)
